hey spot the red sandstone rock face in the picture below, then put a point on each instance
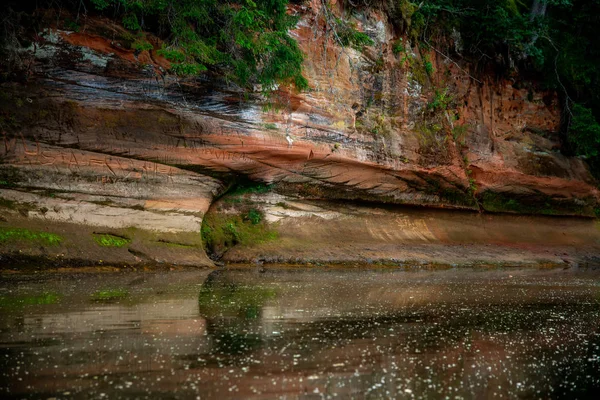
(507, 137)
(375, 126)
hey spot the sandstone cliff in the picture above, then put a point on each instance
(101, 141)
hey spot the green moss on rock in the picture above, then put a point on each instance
(108, 240)
(223, 231)
(8, 235)
(544, 205)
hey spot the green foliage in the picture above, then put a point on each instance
(499, 202)
(428, 65)
(107, 240)
(254, 216)
(441, 101)
(26, 235)
(398, 47)
(485, 25)
(101, 4)
(246, 40)
(186, 68)
(174, 55)
(350, 36)
(431, 135)
(472, 184)
(250, 187)
(459, 133)
(433, 128)
(72, 25)
(141, 44)
(584, 132)
(574, 57)
(223, 231)
(379, 126)
(130, 22)
(417, 70)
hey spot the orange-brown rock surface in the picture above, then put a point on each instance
(120, 144)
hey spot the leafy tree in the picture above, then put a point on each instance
(584, 132)
(246, 39)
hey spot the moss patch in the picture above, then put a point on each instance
(270, 126)
(11, 302)
(498, 202)
(26, 235)
(447, 193)
(175, 245)
(108, 240)
(238, 192)
(109, 295)
(9, 176)
(228, 299)
(250, 188)
(4, 203)
(220, 232)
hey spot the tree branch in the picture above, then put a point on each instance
(452, 61)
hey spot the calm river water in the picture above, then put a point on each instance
(301, 334)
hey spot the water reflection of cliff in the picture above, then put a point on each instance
(313, 334)
(394, 334)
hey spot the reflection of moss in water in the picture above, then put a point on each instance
(228, 299)
(233, 343)
(233, 311)
(228, 343)
(109, 295)
(36, 299)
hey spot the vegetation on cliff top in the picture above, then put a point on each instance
(246, 41)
